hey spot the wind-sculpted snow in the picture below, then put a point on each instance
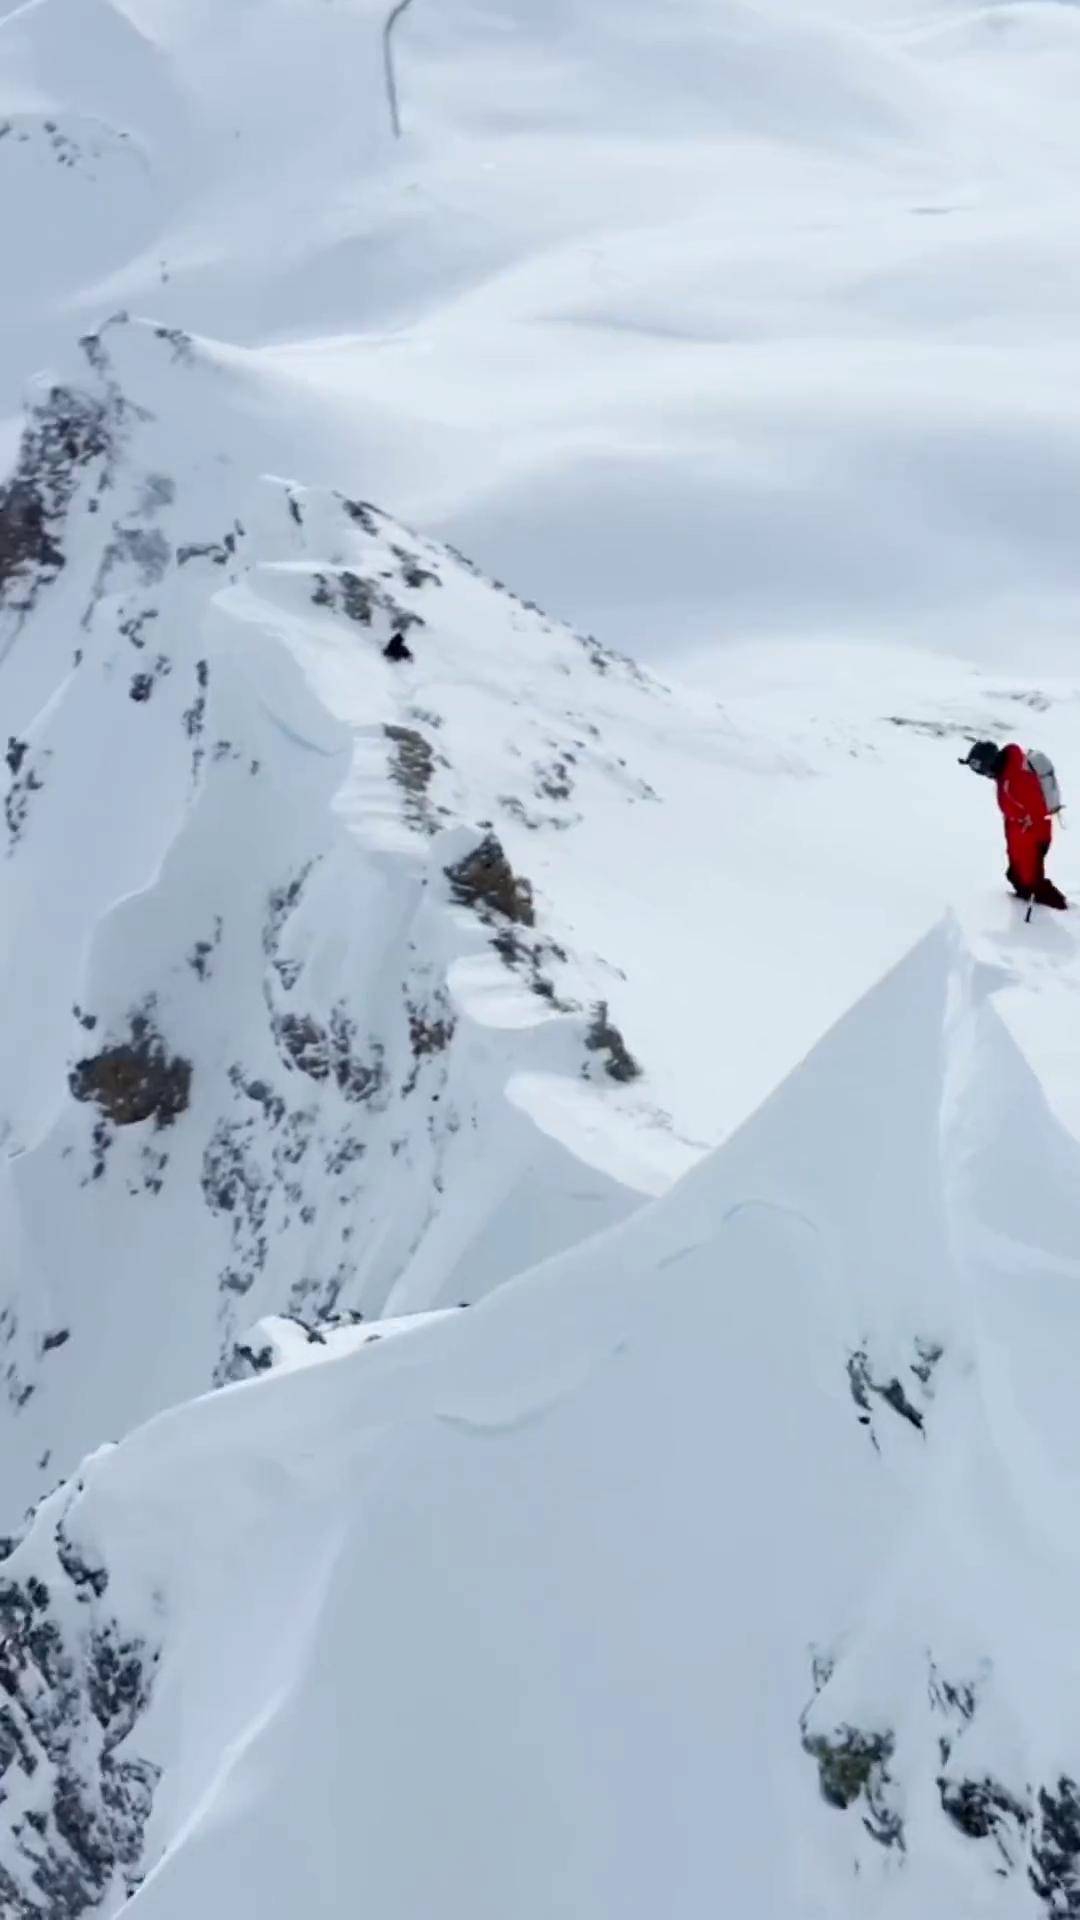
(272, 953)
(604, 1586)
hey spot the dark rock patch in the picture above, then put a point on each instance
(853, 1766)
(245, 1362)
(183, 347)
(135, 1080)
(1054, 1870)
(132, 627)
(927, 1355)
(200, 957)
(485, 881)
(25, 783)
(412, 767)
(72, 1693)
(983, 1809)
(234, 1184)
(865, 1389)
(218, 552)
(305, 1042)
(264, 1096)
(63, 437)
(555, 781)
(532, 958)
(956, 1699)
(359, 600)
(282, 903)
(412, 573)
(604, 1037)
(605, 660)
(346, 592)
(362, 514)
(358, 1078)
(143, 684)
(253, 1178)
(101, 1140)
(87, 1575)
(430, 1030)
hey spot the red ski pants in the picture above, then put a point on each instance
(1028, 848)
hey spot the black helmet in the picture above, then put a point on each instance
(984, 758)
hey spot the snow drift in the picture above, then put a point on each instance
(691, 1567)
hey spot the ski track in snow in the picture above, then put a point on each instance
(564, 1170)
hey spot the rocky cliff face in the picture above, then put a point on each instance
(75, 1795)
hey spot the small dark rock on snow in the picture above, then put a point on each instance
(604, 1037)
(979, 1808)
(853, 1765)
(486, 881)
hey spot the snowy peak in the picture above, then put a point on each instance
(282, 993)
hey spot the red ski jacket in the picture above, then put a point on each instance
(1020, 797)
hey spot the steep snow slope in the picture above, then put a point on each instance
(719, 1564)
(282, 1025)
(258, 1053)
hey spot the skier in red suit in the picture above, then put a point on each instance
(1028, 822)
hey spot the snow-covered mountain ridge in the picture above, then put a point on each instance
(536, 1347)
(304, 1054)
(285, 1027)
(734, 1517)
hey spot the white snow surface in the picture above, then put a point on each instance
(598, 1379)
(543, 1606)
(700, 319)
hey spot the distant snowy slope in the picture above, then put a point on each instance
(724, 1562)
(698, 321)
